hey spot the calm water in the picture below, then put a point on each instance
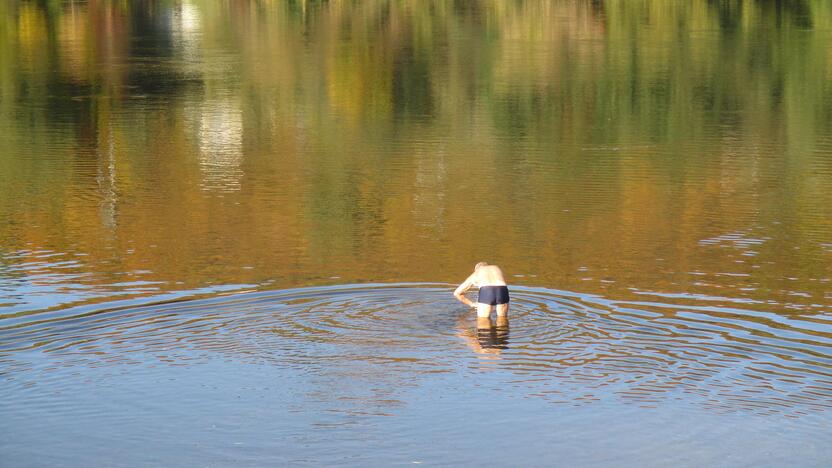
(229, 232)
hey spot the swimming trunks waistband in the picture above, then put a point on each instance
(493, 295)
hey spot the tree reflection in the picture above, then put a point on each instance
(358, 133)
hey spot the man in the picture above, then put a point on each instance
(493, 290)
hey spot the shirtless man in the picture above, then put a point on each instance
(493, 290)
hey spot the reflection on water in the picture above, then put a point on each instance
(591, 146)
(654, 176)
(220, 146)
(491, 337)
(564, 346)
(486, 338)
(360, 352)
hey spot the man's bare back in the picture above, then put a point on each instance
(493, 290)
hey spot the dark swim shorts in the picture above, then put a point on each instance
(493, 295)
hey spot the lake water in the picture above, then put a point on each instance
(229, 232)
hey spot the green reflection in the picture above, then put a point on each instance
(203, 141)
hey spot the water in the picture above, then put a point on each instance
(397, 373)
(229, 232)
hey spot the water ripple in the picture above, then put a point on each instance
(562, 346)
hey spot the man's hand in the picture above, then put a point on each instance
(461, 298)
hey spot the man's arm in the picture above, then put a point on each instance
(459, 293)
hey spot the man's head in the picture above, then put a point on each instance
(480, 264)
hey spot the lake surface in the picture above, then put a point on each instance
(229, 232)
